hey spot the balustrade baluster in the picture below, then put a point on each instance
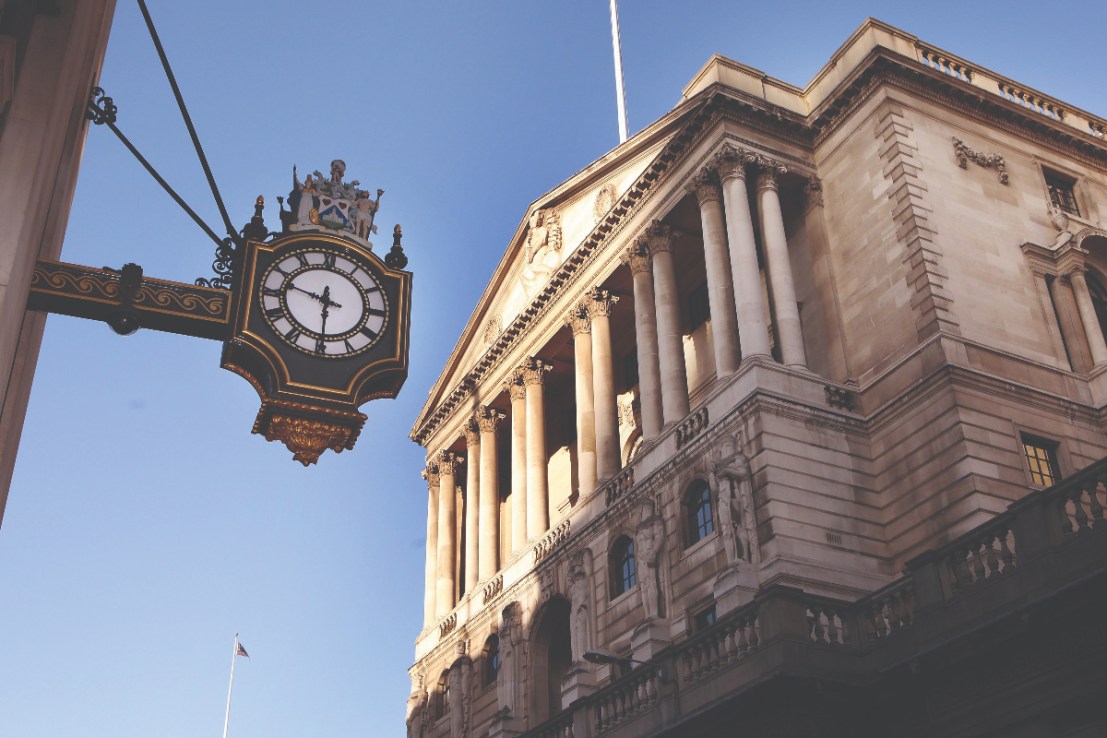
(1005, 551)
(1093, 495)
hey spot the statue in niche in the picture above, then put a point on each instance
(416, 709)
(580, 597)
(543, 250)
(509, 678)
(461, 710)
(648, 545)
(737, 524)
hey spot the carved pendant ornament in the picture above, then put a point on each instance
(988, 161)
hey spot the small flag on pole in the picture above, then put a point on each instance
(240, 651)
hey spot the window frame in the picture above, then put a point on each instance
(699, 612)
(1051, 455)
(622, 552)
(1061, 191)
(490, 655)
(697, 495)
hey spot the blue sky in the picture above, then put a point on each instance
(146, 525)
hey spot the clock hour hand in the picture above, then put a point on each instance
(325, 298)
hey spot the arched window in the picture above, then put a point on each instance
(443, 702)
(1099, 299)
(699, 519)
(624, 574)
(491, 659)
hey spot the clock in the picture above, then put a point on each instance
(324, 302)
(320, 326)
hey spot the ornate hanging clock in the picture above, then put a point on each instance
(321, 322)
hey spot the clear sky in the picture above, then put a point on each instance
(146, 525)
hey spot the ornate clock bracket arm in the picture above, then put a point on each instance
(127, 300)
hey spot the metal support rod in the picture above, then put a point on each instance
(620, 93)
(188, 121)
(165, 185)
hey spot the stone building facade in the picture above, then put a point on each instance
(768, 407)
(50, 57)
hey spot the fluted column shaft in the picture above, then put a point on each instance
(670, 340)
(517, 392)
(1088, 317)
(720, 289)
(538, 503)
(447, 534)
(600, 302)
(753, 324)
(581, 326)
(489, 420)
(637, 258)
(472, 522)
(780, 270)
(431, 571)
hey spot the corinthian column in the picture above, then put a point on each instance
(753, 325)
(670, 340)
(447, 533)
(472, 484)
(600, 302)
(489, 420)
(1088, 318)
(431, 572)
(517, 391)
(538, 504)
(581, 326)
(720, 290)
(780, 266)
(637, 258)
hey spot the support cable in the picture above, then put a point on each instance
(188, 122)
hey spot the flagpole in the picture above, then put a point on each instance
(620, 94)
(230, 687)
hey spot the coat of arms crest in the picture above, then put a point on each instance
(329, 203)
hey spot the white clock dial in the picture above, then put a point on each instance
(323, 303)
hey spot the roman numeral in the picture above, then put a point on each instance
(371, 290)
(369, 332)
(329, 260)
(292, 335)
(302, 258)
(349, 346)
(320, 346)
(375, 311)
(277, 267)
(270, 292)
(274, 313)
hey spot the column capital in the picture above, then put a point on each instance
(637, 257)
(535, 370)
(769, 170)
(430, 474)
(705, 186)
(516, 388)
(659, 237)
(813, 189)
(472, 432)
(448, 462)
(578, 320)
(488, 418)
(599, 302)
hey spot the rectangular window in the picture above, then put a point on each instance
(703, 619)
(1061, 193)
(699, 308)
(1041, 460)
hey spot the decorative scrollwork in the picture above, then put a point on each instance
(223, 266)
(101, 108)
(988, 161)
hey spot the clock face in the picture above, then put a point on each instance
(323, 302)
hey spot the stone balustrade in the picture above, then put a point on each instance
(619, 485)
(550, 541)
(943, 63)
(732, 639)
(943, 594)
(625, 698)
(493, 589)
